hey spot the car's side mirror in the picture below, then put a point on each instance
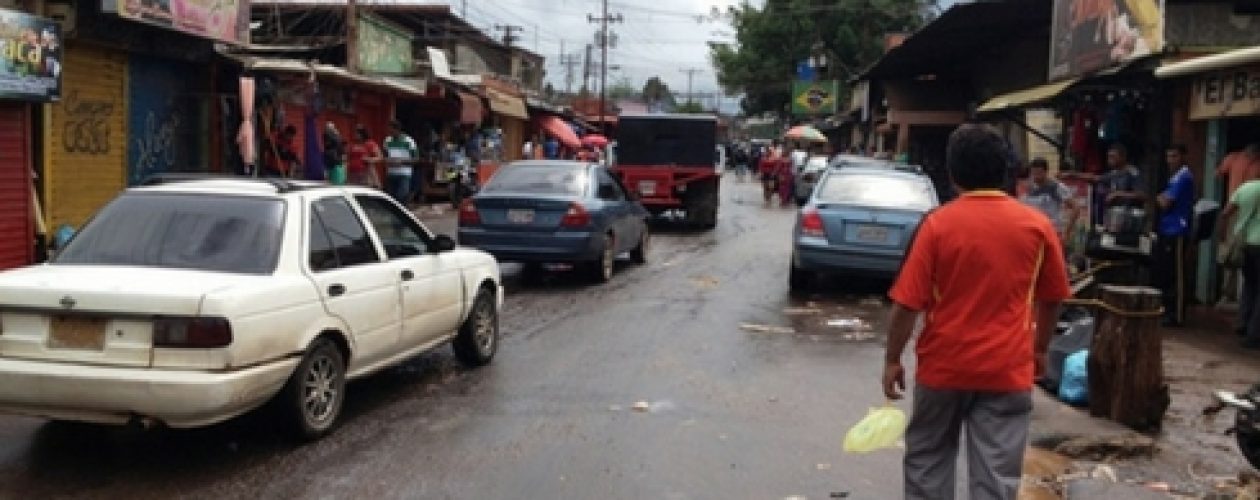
(443, 243)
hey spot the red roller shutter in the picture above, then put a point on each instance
(16, 225)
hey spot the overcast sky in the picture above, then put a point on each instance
(657, 38)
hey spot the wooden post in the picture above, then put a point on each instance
(1126, 371)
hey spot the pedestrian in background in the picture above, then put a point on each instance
(1176, 205)
(1245, 203)
(1050, 197)
(401, 155)
(334, 154)
(1237, 167)
(362, 158)
(978, 353)
(768, 168)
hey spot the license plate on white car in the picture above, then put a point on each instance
(74, 332)
(647, 188)
(872, 234)
(520, 216)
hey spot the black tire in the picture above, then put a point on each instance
(601, 271)
(799, 279)
(639, 255)
(322, 371)
(478, 338)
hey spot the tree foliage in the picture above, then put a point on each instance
(770, 41)
(623, 88)
(655, 92)
(690, 107)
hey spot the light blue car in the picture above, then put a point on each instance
(859, 221)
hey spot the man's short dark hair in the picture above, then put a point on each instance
(395, 124)
(1119, 149)
(1039, 163)
(1179, 148)
(977, 158)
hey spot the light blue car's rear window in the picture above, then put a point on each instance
(876, 190)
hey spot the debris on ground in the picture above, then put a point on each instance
(801, 311)
(1043, 470)
(858, 336)
(823, 466)
(1107, 448)
(755, 328)
(1104, 471)
(872, 302)
(851, 324)
(652, 406)
(705, 281)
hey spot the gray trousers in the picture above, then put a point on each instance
(997, 433)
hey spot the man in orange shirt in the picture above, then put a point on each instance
(978, 352)
(1240, 167)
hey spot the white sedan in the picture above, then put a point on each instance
(193, 300)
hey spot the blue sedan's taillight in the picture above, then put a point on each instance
(812, 223)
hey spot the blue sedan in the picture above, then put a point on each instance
(859, 221)
(552, 211)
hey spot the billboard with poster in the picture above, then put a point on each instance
(30, 69)
(1090, 35)
(221, 20)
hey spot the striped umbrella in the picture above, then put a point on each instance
(805, 133)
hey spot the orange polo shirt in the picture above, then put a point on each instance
(976, 267)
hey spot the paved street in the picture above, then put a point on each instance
(733, 413)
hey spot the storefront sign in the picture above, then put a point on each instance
(1089, 35)
(222, 20)
(1227, 93)
(384, 48)
(30, 66)
(814, 98)
(1049, 125)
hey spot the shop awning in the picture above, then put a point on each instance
(1019, 98)
(507, 104)
(557, 128)
(1213, 62)
(470, 109)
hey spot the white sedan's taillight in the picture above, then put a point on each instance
(191, 332)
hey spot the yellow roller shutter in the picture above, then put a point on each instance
(85, 136)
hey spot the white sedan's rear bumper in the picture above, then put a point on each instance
(115, 395)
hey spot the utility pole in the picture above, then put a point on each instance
(569, 61)
(507, 30)
(352, 37)
(691, 72)
(586, 69)
(604, 38)
(463, 9)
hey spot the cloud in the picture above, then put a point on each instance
(654, 38)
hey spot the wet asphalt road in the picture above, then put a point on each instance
(734, 413)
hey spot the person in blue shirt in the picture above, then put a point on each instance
(551, 148)
(1176, 205)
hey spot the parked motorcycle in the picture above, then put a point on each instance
(1246, 427)
(462, 182)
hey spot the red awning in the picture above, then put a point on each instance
(470, 109)
(557, 128)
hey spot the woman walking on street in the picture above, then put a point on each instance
(768, 167)
(362, 158)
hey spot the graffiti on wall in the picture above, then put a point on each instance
(86, 128)
(155, 145)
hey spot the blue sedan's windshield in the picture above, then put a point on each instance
(562, 180)
(877, 190)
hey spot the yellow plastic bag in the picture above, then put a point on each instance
(881, 428)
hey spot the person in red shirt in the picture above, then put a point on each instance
(770, 167)
(984, 271)
(362, 155)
